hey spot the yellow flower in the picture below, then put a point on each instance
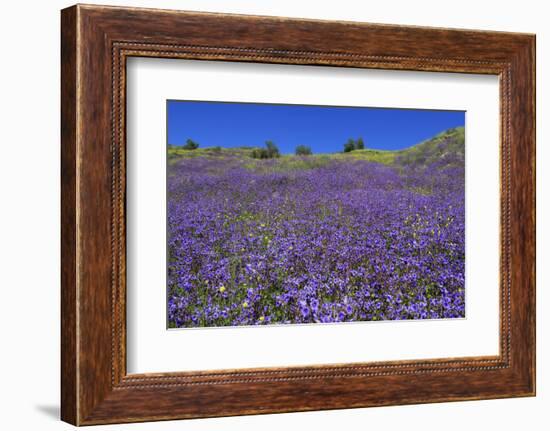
(222, 289)
(262, 318)
(262, 225)
(245, 304)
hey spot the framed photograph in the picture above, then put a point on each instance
(264, 214)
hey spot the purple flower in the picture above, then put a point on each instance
(332, 241)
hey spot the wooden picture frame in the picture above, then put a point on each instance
(95, 43)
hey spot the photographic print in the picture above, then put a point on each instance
(301, 214)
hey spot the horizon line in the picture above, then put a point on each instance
(245, 147)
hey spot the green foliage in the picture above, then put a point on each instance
(349, 146)
(447, 149)
(190, 145)
(303, 150)
(259, 153)
(271, 151)
(176, 152)
(377, 156)
(287, 163)
(353, 145)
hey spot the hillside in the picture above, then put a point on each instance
(315, 238)
(445, 149)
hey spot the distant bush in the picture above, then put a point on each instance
(259, 153)
(352, 145)
(271, 151)
(217, 149)
(349, 146)
(303, 150)
(190, 145)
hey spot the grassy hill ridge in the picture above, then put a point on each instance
(446, 148)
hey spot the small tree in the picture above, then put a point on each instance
(190, 145)
(272, 150)
(349, 146)
(259, 153)
(359, 144)
(255, 153)
(303, 150)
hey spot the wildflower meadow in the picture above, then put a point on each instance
(360, 235)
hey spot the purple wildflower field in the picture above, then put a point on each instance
(362, 236)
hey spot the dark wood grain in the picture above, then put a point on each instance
(96, 41)
(69, 367)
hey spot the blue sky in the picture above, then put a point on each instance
(324, 128)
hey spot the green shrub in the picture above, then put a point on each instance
(271, 151)
(303, 150)
(190, 145)
(259, 153)
(352, 145)
(349, 146)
